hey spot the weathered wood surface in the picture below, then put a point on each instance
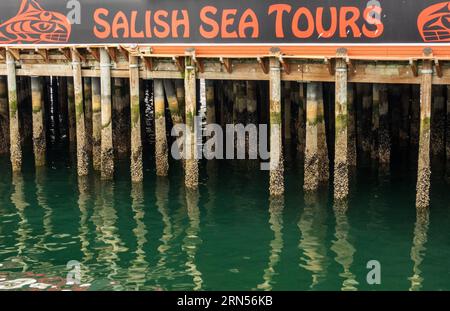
(302, 68)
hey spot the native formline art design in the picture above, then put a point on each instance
(434, 23)
(35, 25)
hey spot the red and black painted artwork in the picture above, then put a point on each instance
(250, 22)
(434, 23)
(35, 25)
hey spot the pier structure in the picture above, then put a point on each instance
(336, 105)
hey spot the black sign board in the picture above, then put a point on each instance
(232, 22)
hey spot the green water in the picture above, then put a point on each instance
(226, 236)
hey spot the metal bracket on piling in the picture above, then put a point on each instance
(180, 62)
(227, 64)
(198, 62)
(342, 54)
(148, 63)
(263, 64)
(426, 71)
(285, 65)
(82, 58)
(200, 65)
(134, 66)
(75, 64)
(428, 56)
(331, 65)
(124, 52)
(95, 53)
(414, 68)
(437, 64)
(351, 68)
(112, 53)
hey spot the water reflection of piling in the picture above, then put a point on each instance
(343, 249)
(276, 245)
(139, 267)
(40, 181)
(313, 237)
(418, 248)
(192, 241)
(105, 210)
(162, 203)
(85, 247)
(23, 228)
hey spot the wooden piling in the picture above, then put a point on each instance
(107, 164)
(54, 111)
(120, 127)
(301, 131)
(96, 124)
(210, 103)
(176, 111)
(396, 112)
(324, 162)
(87, 92)
(359, 91)
(181, 97)
(4, 117)
(287, 111)
(82, 146)
(252, 104)
(424, 171)
(252, 115)
(351, 108)
(341, 128)
(241, 102)
(210, 114)
(162, 153)
(229, 87)
(62, 106)
(136, 138)
(311, 178)
(366, 118)
(415, 117)
(405, 91)
(15, 137)
(447, 135)
(39, 142)
(276, 127)
(239, 111)
(384, 135)
(191, 174)
(20, 87)
(374, 148)
(438, 123)
(71, 113)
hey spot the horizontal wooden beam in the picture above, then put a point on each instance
(357, 52)
(389, 73)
